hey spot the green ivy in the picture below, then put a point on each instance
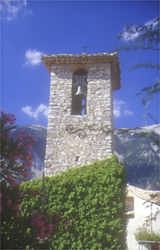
(89, 202)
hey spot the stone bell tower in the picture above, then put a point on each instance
(80, 108)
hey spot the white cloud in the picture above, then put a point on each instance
(33, 57)
(120, 109)
(9, 9)
(130, 36)
(40, 110)
(135, 31)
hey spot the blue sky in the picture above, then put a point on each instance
(32, 28)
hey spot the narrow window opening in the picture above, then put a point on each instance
(129, 206)
(79, 92)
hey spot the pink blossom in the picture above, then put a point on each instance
(42, 226)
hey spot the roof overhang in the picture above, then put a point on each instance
(146, 195)
(83, 58)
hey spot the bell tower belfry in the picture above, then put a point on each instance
(80, 108)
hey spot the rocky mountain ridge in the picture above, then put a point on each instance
(138, 149)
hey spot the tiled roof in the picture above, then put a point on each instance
(79, 58)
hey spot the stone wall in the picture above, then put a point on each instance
(73, 140)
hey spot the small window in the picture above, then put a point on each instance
(79, 92)
(129, 206)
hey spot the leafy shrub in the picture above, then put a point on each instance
(80, 209)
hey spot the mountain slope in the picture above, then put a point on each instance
(138, 149)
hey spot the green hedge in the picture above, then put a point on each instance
(84, 205)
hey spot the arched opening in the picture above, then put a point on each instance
(79, 92)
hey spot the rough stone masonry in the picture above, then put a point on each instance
(77, 139)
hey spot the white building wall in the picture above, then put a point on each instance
(142, 210)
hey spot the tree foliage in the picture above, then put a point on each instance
(15, 152)
(144, 37)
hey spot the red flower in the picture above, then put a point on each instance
(43, 227)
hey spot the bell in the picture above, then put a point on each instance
(78, 92)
